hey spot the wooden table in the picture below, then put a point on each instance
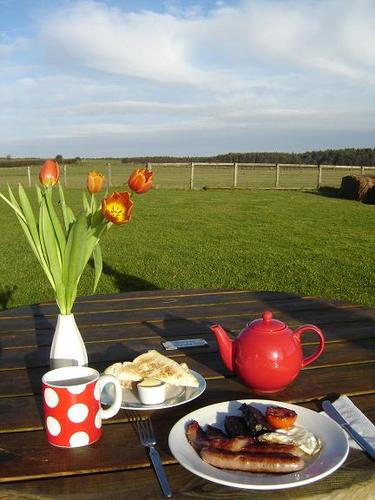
(119, 327)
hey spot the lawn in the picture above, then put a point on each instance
(298, 242)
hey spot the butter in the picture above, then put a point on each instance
(150, 382)
(151, 391)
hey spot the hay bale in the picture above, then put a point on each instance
(358, 187)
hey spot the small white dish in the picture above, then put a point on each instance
(174, 396)
(151, 391)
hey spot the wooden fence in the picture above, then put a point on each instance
(197, 175)
(275, 179)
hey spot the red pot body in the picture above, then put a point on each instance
(268, 362)
(268, 355)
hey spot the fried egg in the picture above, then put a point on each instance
(296, 435)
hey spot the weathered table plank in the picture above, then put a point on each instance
(119, 327)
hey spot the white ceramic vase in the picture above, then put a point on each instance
(68, 348)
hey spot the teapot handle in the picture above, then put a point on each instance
(315, 329)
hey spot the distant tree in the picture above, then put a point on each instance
(59, 158)
(9, 157)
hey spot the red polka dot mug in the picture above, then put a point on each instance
(71, 402)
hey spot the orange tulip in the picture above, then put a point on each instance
(117, 207)
(49, 173)
(94, 182)
(140, 181)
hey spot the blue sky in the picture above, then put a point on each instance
(125, 78)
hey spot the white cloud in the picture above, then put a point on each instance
(254, 67)
(146, 45)
(303, 36)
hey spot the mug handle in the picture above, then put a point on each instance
(315, 329)
(116, 405)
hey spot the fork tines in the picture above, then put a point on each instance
(143, 426)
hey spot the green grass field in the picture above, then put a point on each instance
(297, 242)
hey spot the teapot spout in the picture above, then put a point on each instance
(226, 346)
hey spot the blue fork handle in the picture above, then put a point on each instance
(158, 466)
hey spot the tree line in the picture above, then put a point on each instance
(349, 156)
(29, 162)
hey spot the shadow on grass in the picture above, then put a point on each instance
(6, 293)
(327, 191)
(126, 282)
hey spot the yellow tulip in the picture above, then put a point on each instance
(117, 207)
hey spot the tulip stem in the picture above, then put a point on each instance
(92, 205)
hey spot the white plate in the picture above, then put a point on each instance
(174, 396)
(334, 450)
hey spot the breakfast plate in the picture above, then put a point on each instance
(175, 396)
(334, 450)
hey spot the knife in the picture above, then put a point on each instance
(335, 415)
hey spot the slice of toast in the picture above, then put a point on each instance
(152, 364)
(125, 372)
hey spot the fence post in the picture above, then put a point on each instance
(29, 176)
(235, 174)
(109, 166)
(277, 179)
(319, 180)
(149, 166)
(65, 177)
(192, 176)
(362, 170)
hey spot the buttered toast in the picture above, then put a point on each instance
(152, 364)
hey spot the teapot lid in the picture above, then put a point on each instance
(267, 324)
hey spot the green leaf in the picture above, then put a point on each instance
(85, 202)
(50, 244)
(73, 263)
(98, 265)
(31, 229)
(67, 212)
(33, 240)
(29, 215)
(38, 194)
(98, 218)
(56, 226)
(13, 203)
(37, 250)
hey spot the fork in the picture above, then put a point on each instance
(147, 438)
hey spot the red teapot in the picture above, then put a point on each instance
(267, 354)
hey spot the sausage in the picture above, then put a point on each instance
(250, 445)
(252, 462)
(232, 444)
(196, 435)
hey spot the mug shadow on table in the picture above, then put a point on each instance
(181, 326)
(36, 361)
